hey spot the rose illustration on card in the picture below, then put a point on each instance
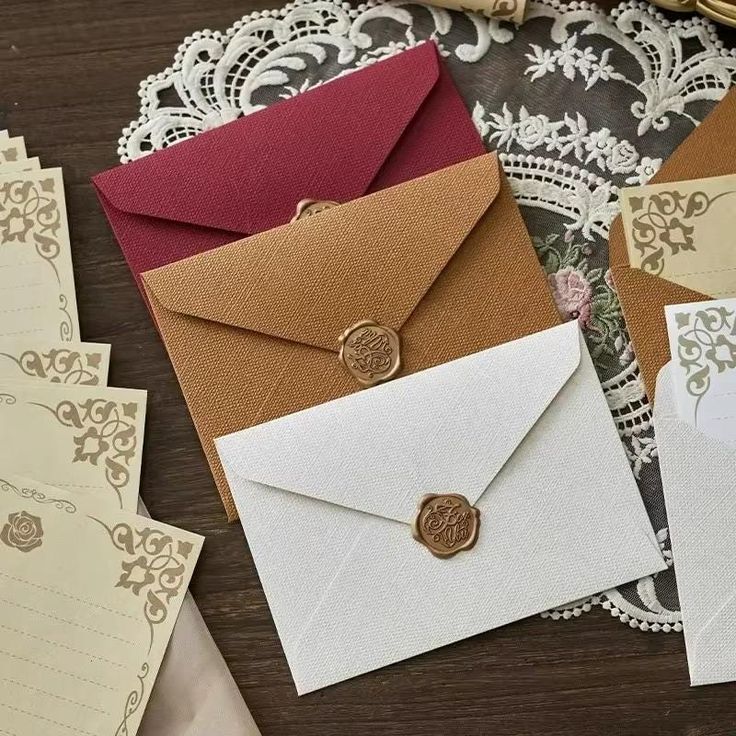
(22, 531)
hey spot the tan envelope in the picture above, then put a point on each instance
(252, 327)
(710, 150)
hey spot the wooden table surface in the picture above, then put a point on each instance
(69, 73)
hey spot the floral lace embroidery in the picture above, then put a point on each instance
(672, 77)
(582, 293)
(569, 136)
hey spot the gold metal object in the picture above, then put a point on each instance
(446, 524)
(309, 207)
(676, 6)
(371, 352)
(720, 11)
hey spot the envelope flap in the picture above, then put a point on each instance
(373, 258)
(450, 428)
(313, 136)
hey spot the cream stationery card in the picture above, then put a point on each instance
(12, 150)
(681, 232)
(88, 599)
(27, 164)
(702, 338)
(85, 439)
(37, 296)
(54, 361)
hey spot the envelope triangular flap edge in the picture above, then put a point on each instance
(178, 185)
(694, 491)
(689, 439)
(372, 258)
(451, 428)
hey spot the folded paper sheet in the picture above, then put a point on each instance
(37, 298)
(253, 327)
(697, 479)
(88, 600)
(705, 152)
(54, 361)
(336, 142)
(87, 439)
(338, 485)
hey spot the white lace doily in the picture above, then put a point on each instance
(578, 102)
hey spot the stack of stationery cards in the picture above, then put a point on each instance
(89, 590)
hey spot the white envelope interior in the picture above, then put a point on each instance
(326, 496)
(698, 481)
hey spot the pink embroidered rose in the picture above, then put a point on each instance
(608, 278)
(573, 294)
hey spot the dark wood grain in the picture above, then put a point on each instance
(69, 72)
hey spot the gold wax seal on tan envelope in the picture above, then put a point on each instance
(446, 524)
(309, 207)
(371, 352)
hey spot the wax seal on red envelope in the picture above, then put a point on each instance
(310, 207)
(446, 524)
(371, 352)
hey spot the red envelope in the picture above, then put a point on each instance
(382, 125)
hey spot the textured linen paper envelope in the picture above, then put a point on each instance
(698, 482)
(703, 368)
(252, 328)
(37, 296)
(362, 132)
(89, 596)
(706, 152)
(327, 496)
(675, 231)
(54, 361)
(87, 439)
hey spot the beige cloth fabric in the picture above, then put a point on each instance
(194, 693)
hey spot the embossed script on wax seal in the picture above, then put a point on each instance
(309, 207)
(446, 524)
(371, 352)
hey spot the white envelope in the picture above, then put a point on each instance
(326, 497)
(698, 481)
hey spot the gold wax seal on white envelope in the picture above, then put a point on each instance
(371, 352)
(446, 524)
